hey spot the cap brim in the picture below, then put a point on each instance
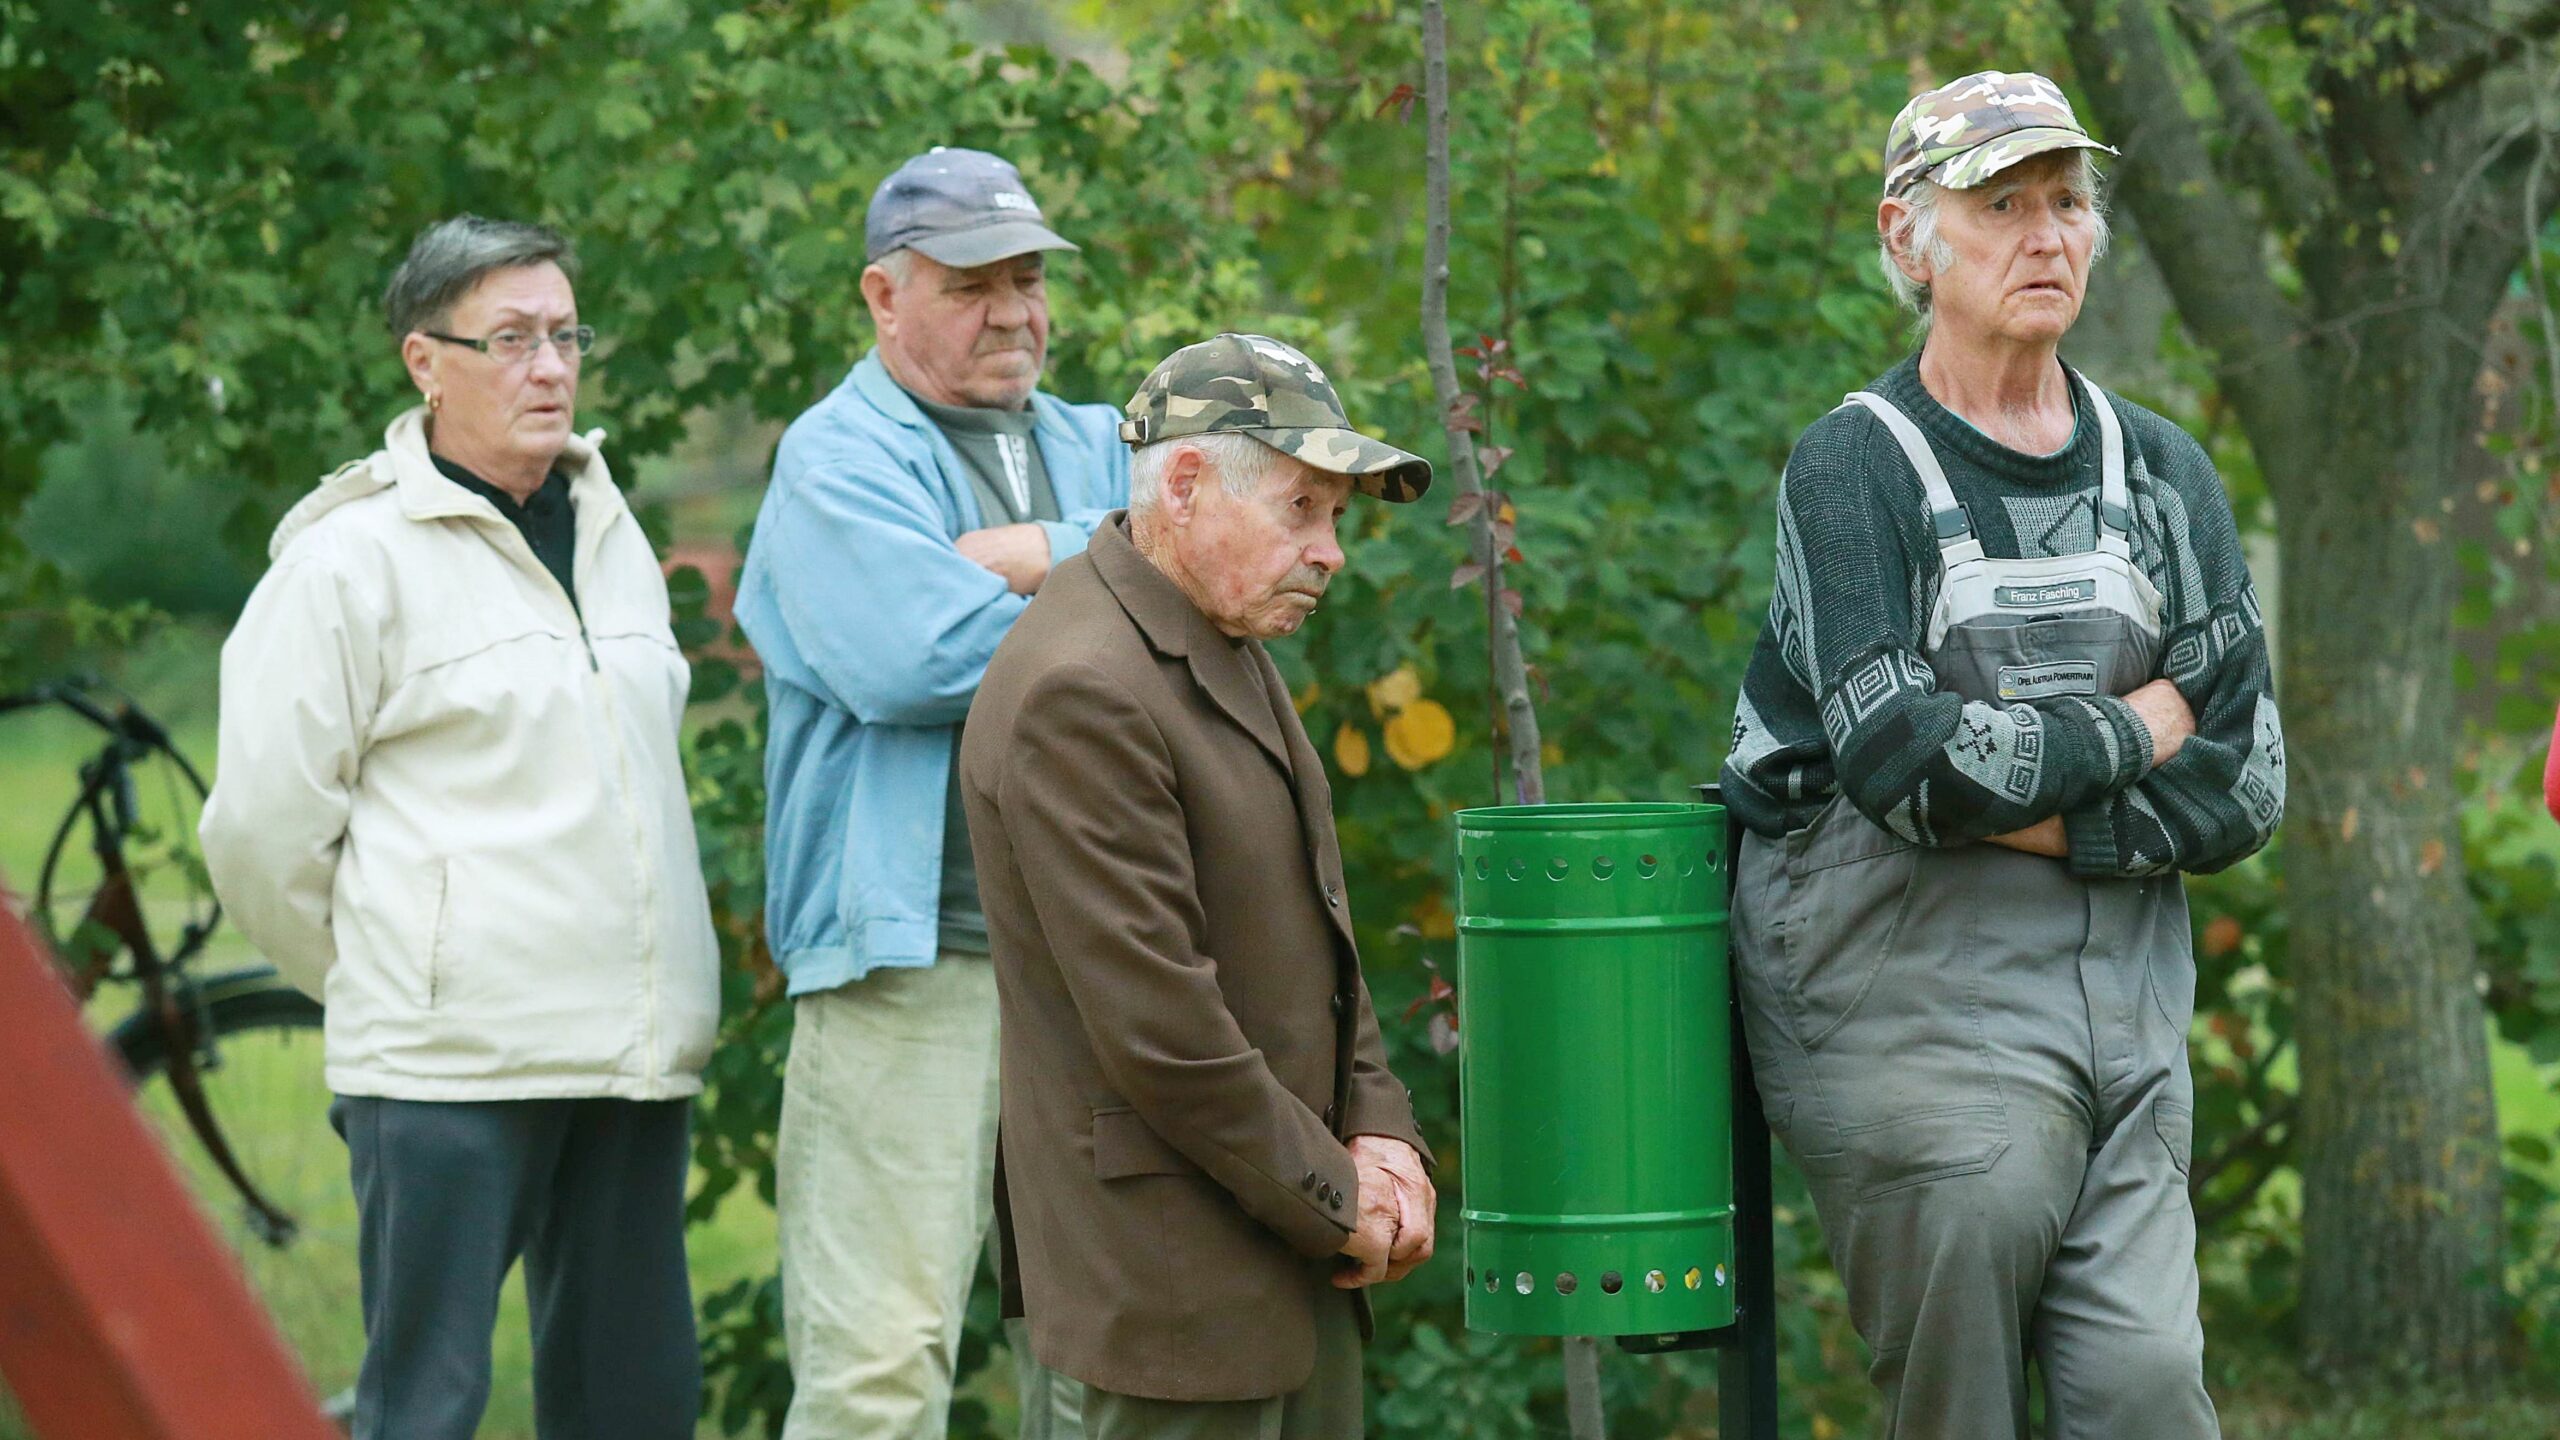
(1998, 153)
(1377, 468)
(988, 244)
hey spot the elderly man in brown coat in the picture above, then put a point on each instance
(1202, 1146)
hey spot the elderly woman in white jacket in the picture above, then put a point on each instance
(450, 804)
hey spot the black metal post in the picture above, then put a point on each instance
(1747, 1371)
(1747, 1388)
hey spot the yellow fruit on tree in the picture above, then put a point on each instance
(1351, 750)
(1420, 734)
(1393, 691)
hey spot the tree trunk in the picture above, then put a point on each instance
(1502, 629)
(2397, 1137)
(2403, 218)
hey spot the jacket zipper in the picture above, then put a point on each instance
(646, 894)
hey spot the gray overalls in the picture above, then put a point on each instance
(1979, 1058)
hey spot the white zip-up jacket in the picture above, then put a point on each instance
(451, 804)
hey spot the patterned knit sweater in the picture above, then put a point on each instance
(1838, 698)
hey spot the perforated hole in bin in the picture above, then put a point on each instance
(1720, 1277)
(1611, 1282)
(1558, 868)
(1603, 867)
(1492, 1283)
(1715, 862)
(1518, 869)
(1484, 868)
(1646, 865)
(1471, 1275)
(1525, 1283)
(1694, 1278)
(1566, 1284)
(1656, 1281)
(1688, 866)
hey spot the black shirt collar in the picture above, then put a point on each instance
(546, 500)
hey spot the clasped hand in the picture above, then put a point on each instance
(1398, 1210)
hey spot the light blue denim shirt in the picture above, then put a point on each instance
(874, 631)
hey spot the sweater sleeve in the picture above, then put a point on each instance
(2219, 799)
(1928, 765)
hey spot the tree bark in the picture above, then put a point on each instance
(2397, 1139)
(1510, 673)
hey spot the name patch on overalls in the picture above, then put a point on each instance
(2057, 677)
(2029, 597)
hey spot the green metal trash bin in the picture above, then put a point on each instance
(1594, 1075)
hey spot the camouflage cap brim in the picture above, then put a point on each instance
(1979, 164)
(1376, 467)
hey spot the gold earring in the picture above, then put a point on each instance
(435, 400)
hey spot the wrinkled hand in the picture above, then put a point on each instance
(1373, 1234)
(2164, 709)
(1019, 553)
(1392, 1171)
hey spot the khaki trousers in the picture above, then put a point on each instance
(1327, 1407)
(885, 1180)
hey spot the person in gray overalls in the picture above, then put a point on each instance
(2014, 681)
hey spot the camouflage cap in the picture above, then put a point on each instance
(1254, 385)
(1966, 131)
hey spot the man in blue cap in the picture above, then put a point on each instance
(912, 514)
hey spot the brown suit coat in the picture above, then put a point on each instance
(1186, 1034)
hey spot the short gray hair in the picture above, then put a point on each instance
(1916, 235)
(900, 264)
(1242, 462)
(451, 256)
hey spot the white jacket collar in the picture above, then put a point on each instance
(425, 494)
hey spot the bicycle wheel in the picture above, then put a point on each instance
(262, 1079)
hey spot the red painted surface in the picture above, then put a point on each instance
(121, 1315)
(2551, 772)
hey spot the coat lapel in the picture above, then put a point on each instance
(1315, 800)
(1228, 672)
(1175, 626)
(1241, 681)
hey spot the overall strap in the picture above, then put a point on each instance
(2115, 503)
(1947, 520)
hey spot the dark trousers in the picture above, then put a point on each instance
(591, 1194)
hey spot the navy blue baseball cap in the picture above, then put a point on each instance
(960, 207)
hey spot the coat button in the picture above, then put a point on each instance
(1328, 1117)
(1336, 1200)
(1309, 1183)
(1341, 1003)
(1333, 896)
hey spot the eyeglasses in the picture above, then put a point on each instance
(513, 347)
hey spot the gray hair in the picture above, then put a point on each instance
(1916, 234)
(451, 256)
(900, 265)
(1242, 462)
